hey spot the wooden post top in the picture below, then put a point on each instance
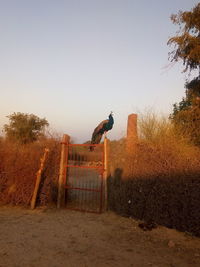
(65, 138)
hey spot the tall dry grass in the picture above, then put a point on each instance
(160, 179)
(18, 167)
(163, 148)
(160, 149)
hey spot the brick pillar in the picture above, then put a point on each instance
(132, 136)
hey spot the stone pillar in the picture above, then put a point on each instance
(132, 136)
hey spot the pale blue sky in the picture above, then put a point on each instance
(73, 61)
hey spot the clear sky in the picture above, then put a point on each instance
(73, 61)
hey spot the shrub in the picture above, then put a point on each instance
(18, 167)
(24, 128)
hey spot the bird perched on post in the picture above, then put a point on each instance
(101, 129)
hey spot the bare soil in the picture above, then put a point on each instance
(51, 237)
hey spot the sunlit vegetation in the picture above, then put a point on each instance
(186, 47)
(157, 179)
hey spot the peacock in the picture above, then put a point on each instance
(101, 129)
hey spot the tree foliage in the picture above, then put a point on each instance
(192, 96)
(186, 114)
(25, 128)
(187, 41)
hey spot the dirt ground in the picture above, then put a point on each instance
(54, 238)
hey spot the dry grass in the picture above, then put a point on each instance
(160, 179)
(18, 167)
(159, 150)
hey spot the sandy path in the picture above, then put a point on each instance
(66, 238)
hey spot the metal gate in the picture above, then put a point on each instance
(84, 177)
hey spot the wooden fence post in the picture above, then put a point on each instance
(106, 170)
(38, 178)
(62, 172)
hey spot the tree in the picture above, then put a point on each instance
(186, 114)
(191, 99)
(187, 41)
(25, 128)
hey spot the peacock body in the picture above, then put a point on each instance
(102, 128)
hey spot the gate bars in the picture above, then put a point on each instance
(83, 176)
(84, 181)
